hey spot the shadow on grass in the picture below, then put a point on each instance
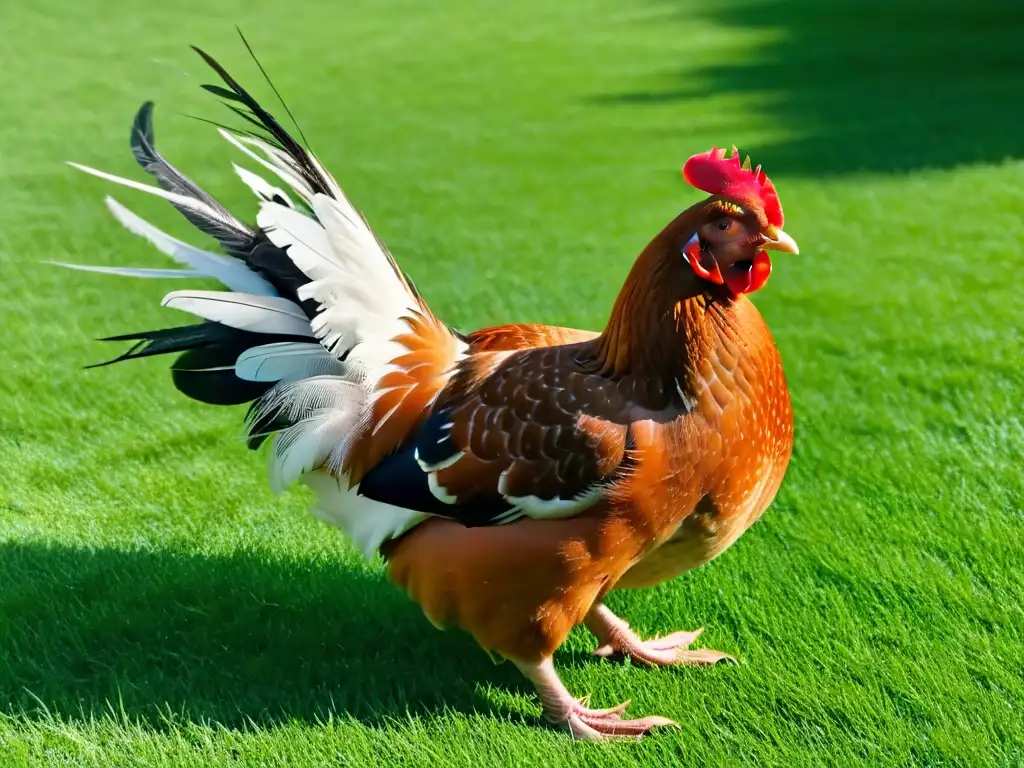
(872, 85)
(231, 639)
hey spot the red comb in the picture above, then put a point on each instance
(717, 174)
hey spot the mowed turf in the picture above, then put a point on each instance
(159, 606)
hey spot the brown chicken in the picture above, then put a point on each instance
(511, 477)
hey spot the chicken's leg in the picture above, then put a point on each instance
(561, 709)
(615, 637)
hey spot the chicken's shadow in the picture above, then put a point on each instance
(233, 639)
(853, 85)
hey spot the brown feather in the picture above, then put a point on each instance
(524, 336)
(470, 476)
(540, 418)
(518, 589)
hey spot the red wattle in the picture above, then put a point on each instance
(755, 278)
(693, 257)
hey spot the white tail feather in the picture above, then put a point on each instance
(327, 411)
(284, 172)
(363, 298)
(305, 238)
(281, 158)
(354, 242)
(262, 314)
(309, 444)
(296, 400)
(260, 187)
(287, 360)
(129, 271)
(230, 272)
(183, 201)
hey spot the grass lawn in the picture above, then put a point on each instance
(159, 606)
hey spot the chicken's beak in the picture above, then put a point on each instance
(778, 240)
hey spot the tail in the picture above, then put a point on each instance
(307, 328)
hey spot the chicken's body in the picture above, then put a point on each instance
(514, 476)
(670, 514)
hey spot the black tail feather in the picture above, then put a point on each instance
(204, 374)
(300, 160)
(259, 429)
(235, 237)
(276, 135)
(167, 340)
(205, 370)
(215, 124)
(273, 87)
(269, 260)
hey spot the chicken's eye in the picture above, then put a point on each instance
(725, 225)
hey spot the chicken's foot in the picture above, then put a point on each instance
(585, 724)
(615, 638)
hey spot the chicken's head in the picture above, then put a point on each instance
(737, 225)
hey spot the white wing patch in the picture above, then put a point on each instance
(522, 506)
(556, 509)
(438, 490)
(553, 509)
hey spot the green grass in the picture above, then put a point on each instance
(160, 607)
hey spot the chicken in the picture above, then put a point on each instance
(512, 477)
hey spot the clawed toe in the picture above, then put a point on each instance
(585, 724)
(675, 640)
(706, 657)
(602, 724)
(619, 641)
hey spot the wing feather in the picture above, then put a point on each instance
(537, 433)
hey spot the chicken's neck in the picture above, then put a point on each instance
(663, 322)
